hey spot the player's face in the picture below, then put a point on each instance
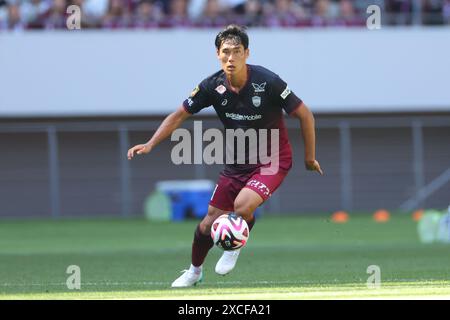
(232, 57)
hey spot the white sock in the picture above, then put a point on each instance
(194, 269)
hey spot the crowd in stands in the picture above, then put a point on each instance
(148, 14)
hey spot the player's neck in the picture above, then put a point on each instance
(238, 81)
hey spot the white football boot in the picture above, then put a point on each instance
(189, 278)
(227, 261)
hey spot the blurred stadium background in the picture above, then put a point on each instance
(73, 101)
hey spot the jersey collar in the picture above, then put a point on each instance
(228, 84)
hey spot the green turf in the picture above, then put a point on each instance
(286, 258)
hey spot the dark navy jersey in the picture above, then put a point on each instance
(258, 105)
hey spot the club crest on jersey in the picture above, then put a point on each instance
(259, 87)
(221, 89)
(256, 101)
(194, 92)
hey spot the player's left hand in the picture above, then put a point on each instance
(313, 165)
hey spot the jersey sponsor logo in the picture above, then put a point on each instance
(259, 87)
(194, 92)
(236, 116)
(256, 101)
(221, 89)
(285, 93)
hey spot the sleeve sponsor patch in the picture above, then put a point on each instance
(285, 93)
(195, 91)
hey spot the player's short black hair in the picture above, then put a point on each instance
(232, 32)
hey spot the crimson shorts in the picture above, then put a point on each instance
(228, 187)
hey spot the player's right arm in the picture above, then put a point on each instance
(198, 99)
(169, 124)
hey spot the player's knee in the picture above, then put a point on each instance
(244, 209)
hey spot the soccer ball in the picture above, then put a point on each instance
(230, 232)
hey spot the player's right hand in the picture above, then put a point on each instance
(139, 149)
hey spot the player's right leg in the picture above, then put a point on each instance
(200, 246)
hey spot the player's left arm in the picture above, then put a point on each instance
(307, 124)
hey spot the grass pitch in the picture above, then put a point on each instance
(286, 258)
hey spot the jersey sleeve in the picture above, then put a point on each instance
(283, 96)
(198, 99)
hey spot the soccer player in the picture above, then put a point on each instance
(247, 97)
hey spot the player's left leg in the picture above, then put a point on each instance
(257, 190)
(245, 205)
